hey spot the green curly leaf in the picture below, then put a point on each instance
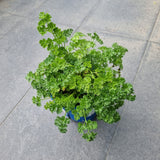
(61, 123)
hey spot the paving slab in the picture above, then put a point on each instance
(70, 13)
(127, 18)
(19, 7)
(138, 134)
(7, 5)
(8, 22)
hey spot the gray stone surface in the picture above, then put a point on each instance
(70, 13)
(20, 7)
(7, 5)
(127, 18)
(138, 135)
(8, 22)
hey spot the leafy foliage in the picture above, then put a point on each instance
(62, 122)
(81, 75)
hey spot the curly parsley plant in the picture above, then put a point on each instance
(81, 75)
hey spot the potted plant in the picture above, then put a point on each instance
(82, 76)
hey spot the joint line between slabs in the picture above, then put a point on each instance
(148, 43)
(87, 16)
(153, 26)
(14, 107)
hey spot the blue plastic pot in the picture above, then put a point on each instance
(81, 119)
